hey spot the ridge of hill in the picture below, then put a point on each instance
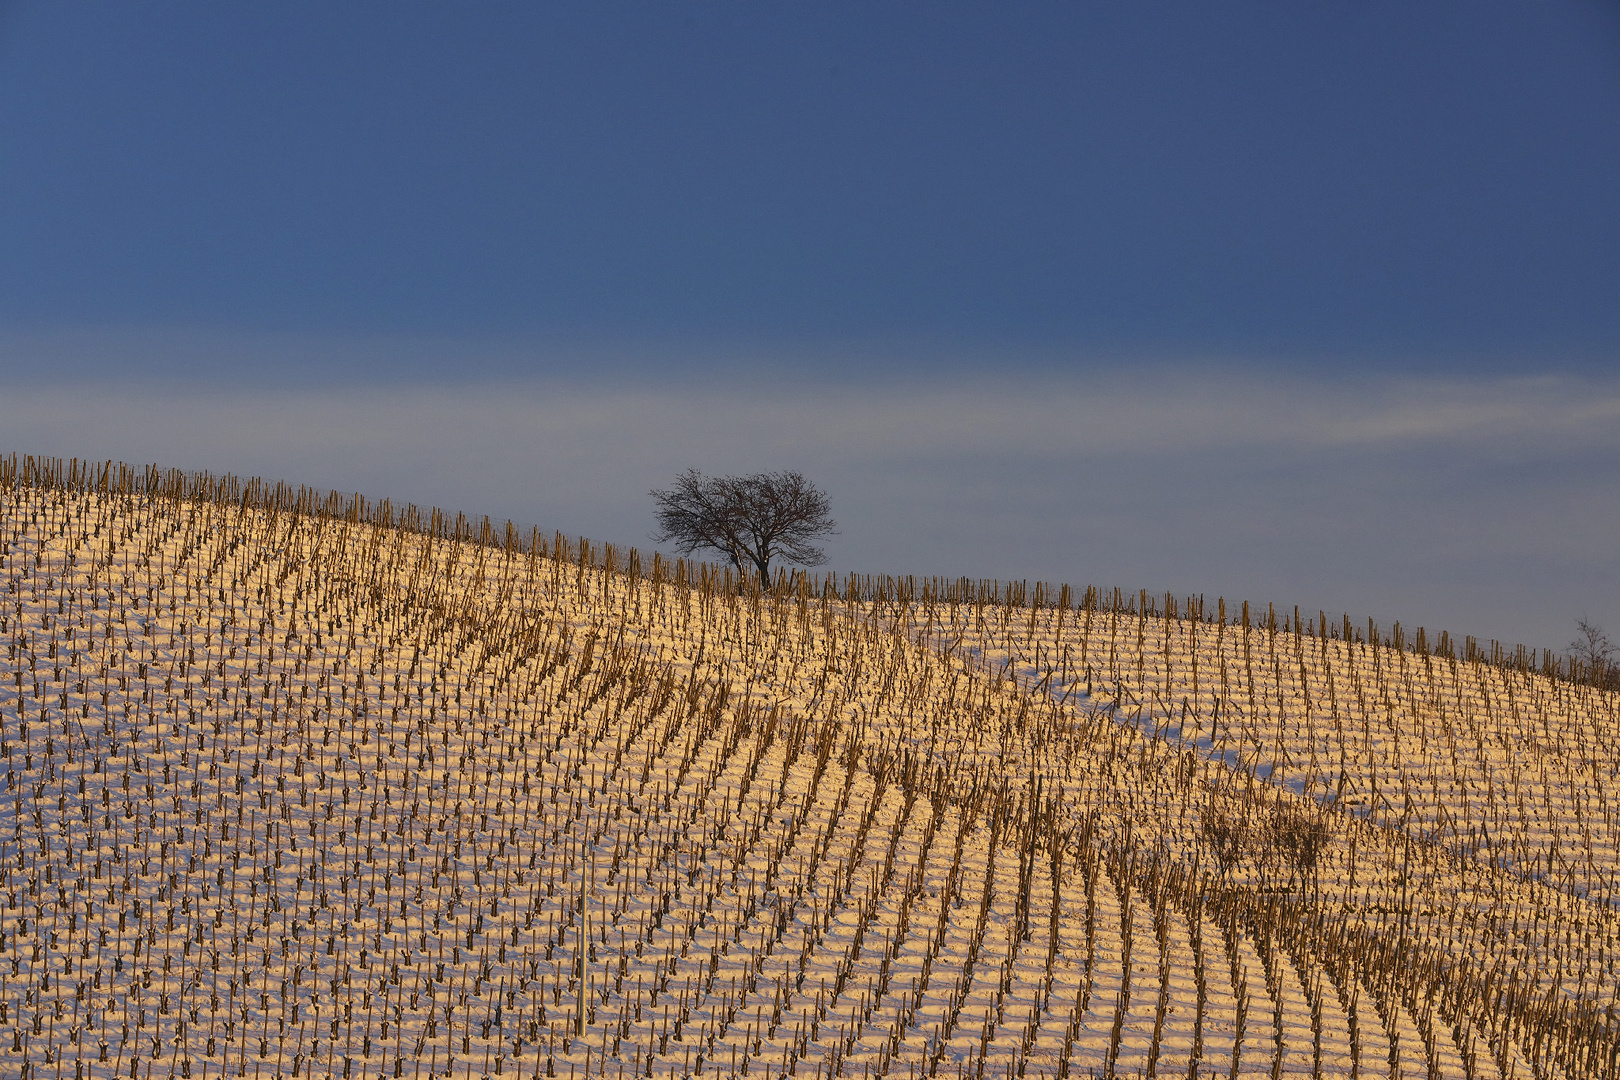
(306, 786)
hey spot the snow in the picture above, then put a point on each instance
(294, 796)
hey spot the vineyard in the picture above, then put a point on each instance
(302, 785)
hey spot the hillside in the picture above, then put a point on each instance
(306, 786)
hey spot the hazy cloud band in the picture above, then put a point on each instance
(1487, 506)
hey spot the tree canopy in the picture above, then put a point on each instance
(749, 519)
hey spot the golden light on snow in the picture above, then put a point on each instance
(306, 786)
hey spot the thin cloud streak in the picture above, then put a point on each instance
(1051, 420)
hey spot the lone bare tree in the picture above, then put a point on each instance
(1594, 650)
(749, 519)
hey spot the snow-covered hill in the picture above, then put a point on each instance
(307, 786)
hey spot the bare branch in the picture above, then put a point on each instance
(1593, 649)
(748, 519)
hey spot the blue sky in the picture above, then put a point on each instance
(1317, 303)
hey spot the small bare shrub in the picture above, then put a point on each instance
(1226, 836)
(1299, 836)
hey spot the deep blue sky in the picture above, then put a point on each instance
(1316, 303)
(1369, 180)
